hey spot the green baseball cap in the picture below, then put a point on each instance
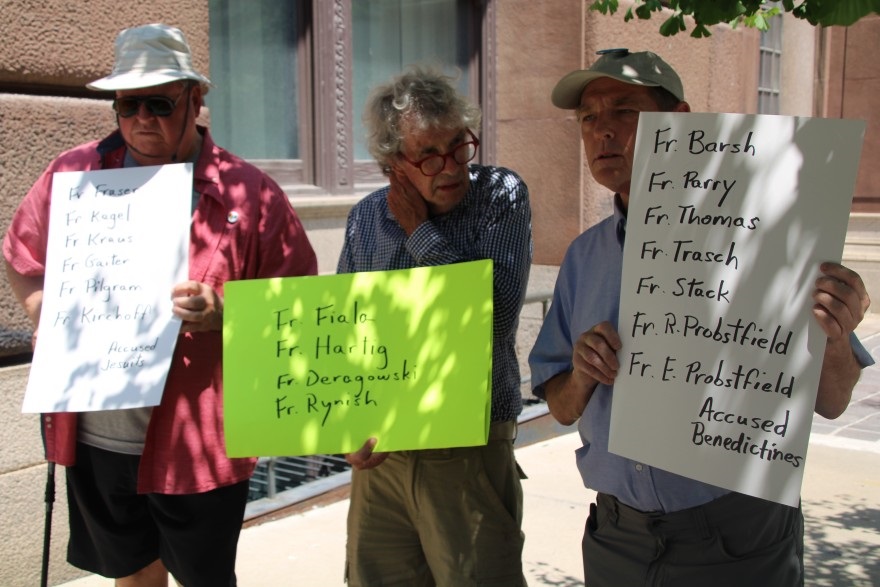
(642, 69)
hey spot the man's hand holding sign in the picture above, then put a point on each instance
(841, 301)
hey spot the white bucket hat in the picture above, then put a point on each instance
(150, 55)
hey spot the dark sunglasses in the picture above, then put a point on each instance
(128, 106)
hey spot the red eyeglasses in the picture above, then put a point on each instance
(434, 164)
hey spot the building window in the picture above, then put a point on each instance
(254, 68)
(391, 34)
(770, 79)
(292, 77)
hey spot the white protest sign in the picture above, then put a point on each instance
(118, 242)
(729, 217)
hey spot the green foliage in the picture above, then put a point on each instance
(750, 13)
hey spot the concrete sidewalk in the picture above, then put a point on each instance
(841, 495)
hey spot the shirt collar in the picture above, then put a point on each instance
(619, 218)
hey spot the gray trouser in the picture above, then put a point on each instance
(733, 541)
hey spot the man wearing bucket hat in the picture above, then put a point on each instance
(649, 526)
(151, 489)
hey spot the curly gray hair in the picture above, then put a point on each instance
(424, 97)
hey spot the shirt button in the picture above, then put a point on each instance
(639, 467)
(232, 217)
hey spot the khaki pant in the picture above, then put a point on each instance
(444, 517)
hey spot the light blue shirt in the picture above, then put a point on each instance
(588, 292)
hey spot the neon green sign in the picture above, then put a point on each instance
(318, 364)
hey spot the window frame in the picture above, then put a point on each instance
(770, 68)
(324, 52)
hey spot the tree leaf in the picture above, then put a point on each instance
(751, 13)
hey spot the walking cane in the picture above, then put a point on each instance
(47, 527)
(50, 501)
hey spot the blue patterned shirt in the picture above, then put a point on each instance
(493, 221)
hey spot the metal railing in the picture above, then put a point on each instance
(279, 482)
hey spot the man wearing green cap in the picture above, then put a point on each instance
(151, 489)
(649, 526)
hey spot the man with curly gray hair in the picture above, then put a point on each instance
(447, 516)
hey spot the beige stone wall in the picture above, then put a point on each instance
(61, 43)
(23, 475)
(537, 43)
(847, 85)
(860, 97)
(799, 45)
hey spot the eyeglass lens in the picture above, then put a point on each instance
(156, 105)
(461, 154)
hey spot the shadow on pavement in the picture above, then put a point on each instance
(553, 576)
(851, 562)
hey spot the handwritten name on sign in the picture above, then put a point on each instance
(118, 241)
(729, 218)
(318, 364)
